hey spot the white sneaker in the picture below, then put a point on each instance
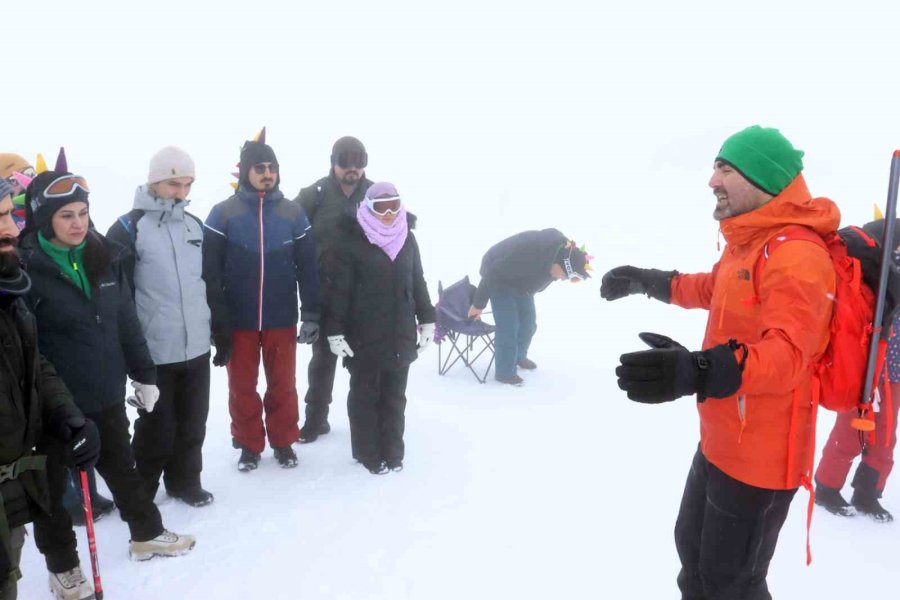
(165, 544)
(71, 585)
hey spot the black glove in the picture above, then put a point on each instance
(67, 424)
(671, 371)
(222, 342)
(309, 332)
(85, 445)
(627, 280)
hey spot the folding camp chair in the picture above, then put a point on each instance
(469, 339)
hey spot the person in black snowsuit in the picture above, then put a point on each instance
(512, 272)
(89, 330)
(325, 203)
(375, 294)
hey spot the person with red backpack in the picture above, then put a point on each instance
(844, 445)
(753, 378)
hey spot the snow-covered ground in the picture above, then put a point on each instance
(561, 488)
(599, 119)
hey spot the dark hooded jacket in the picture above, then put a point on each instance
(373, 301)
(93, 342)
(30, 393)
(521, 262)
(325, 203)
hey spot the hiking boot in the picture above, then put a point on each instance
(865, 496)
(395, 465)
(165, 544)
(71, 585)
(311, 431)
(513, 380)
(376, 468)
(527, 364)
(831, 500)
(249, 461)
(871, 507)
(286, 457)
(195, 496)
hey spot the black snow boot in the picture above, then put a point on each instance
(831, 500)
(195, 496)
(865, 496)
(316, 424)
(378, 467)
(286, 457)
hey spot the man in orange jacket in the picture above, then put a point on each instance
(766, 328)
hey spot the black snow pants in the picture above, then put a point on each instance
(53, 534)
(168, 442)
(376, 405)
(726, 534)
(320, 373)
(116, 466)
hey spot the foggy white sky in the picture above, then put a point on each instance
(578, 112)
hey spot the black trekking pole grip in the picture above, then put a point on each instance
(887, 249)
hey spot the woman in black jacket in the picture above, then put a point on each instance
(376, 292)
(88, 329)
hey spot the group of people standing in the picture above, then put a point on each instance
(149, 301)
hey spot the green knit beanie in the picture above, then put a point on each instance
(764, 157)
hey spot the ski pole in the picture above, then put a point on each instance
(861, 422)
(92, 540)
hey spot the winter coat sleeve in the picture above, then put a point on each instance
(694, 290)
(134, 345)
(51, 390)
(338, 276)
(213, 271)
(307, 270)
(424, 307)
(120, 235)
(795, 290)
(307, 200)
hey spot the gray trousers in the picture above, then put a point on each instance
(16, 541)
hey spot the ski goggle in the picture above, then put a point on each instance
(573, 275)
(352, 160)
(261, 168)
(383, 206)
(67, 185)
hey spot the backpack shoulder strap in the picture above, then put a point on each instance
(129, 223)
(788, 234)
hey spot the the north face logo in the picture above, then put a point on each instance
(743, 274)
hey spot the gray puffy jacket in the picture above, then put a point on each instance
(165, 271)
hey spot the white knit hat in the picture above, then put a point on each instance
(169, 163)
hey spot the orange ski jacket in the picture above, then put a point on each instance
(761, 435)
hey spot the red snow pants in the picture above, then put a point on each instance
(843, 447)
(279, 356)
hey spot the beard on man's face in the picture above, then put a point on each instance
(9, 258)
(350, 178)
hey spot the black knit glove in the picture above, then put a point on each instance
(627, 280)
(222, 342)
(671, 371)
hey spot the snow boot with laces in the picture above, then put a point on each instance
(165, 544)
(71, 585)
